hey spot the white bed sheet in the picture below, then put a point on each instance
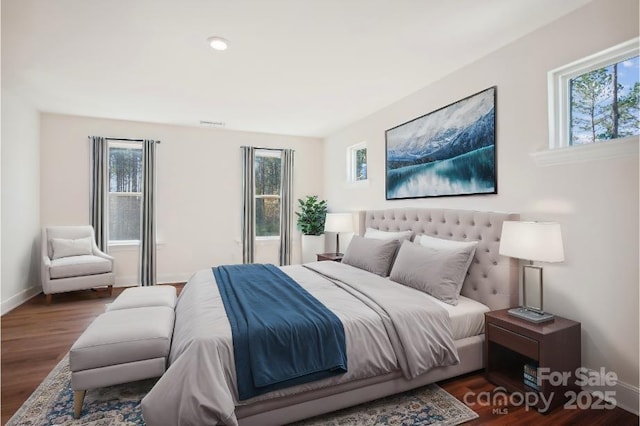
(467, 317)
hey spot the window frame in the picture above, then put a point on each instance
(127, 145)
(274, 154)
(559, 96)
(351, 163)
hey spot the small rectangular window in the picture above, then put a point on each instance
(595, 99)
(357, 162)
(267, 193)
(604, 103)
(125, 192)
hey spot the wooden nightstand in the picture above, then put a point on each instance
(511, 343)
(335, 257)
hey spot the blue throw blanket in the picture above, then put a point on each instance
(282, 335)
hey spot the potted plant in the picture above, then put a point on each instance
(311, 223)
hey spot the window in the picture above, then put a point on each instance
(125, 192)
(267, 193)
(596, 98)
(357, 162)
(604, 103)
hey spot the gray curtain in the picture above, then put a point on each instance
(99, 167)
(286, 205)
(248, 203)
(148, 220)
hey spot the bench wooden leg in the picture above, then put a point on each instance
(78, 399)
(49, 298)
(110, 290)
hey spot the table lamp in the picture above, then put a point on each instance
(532, 241)
(338, 222)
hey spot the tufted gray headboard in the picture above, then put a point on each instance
(492, 279)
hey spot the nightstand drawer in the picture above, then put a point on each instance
(515, 342)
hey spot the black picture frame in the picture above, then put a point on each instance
(448, 152)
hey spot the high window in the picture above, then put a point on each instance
(125, 192)
(604, 103)
(357, 162)
(267, 193)
(595, 99)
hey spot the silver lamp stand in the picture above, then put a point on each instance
(531, 313)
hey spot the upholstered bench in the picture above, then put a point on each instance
(120, 346)
(139, 297)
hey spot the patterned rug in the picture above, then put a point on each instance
(52, 404)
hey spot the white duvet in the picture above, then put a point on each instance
(388, 327)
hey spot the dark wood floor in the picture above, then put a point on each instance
(35, 337)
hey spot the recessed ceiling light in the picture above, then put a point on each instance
(218, 43)
(212, 123)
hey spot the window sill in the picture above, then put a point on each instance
(124, 243)
(129, 246)
(626, 147)
(357, 184)
(267, 239)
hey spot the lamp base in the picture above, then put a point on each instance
(531, 316)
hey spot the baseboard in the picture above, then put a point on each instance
(627, 396)
(131, 281)
(174, 278)
(17, 300)
(126, 281)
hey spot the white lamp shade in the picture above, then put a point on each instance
(536, 241)
(338, 222)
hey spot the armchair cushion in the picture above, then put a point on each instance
(63, 247)
(76, 266)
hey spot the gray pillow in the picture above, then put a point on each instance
(438, 272)
(370, 254)
(442, 244)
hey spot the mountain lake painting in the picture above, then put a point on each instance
(450, 151)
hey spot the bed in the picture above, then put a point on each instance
(199, 386)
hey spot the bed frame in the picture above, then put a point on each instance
(492, 280)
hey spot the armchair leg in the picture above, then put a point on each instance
(49, 298)
(78, 400)
(110, 290)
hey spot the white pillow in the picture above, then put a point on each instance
(388, 235)
(442, 244)
(438, 272)
(63, 247)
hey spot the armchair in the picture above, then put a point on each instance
(71, 260)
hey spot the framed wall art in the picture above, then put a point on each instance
(450, 151)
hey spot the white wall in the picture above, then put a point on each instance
(20, 201)
(198, 182)
(596, 202)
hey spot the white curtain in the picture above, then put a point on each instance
(286, 205)
(99, 179)
(248, 203)
(148, 219)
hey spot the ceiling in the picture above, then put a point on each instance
(299, 67)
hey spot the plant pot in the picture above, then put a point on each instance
(311, 246)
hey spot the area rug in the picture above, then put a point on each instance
(52, 404)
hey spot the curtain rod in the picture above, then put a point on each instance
(124, 139)
(265, 149)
